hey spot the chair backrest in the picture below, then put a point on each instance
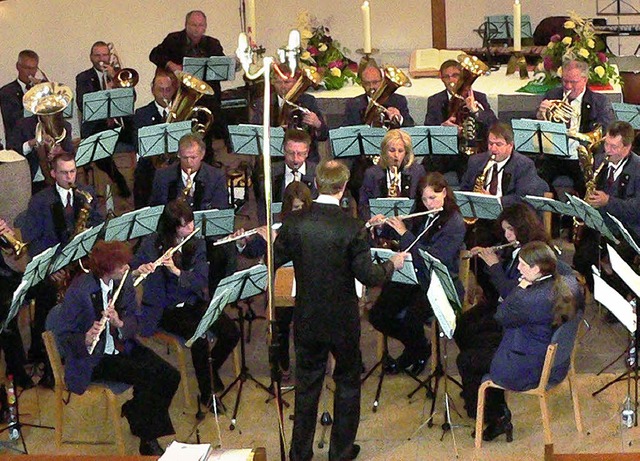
(565, 338)
(464, 270)
(54, 356)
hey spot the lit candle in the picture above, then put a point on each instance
(251, 20)
(366, 18)
(517, 26)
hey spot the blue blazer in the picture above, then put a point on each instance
(162, 289)
(210, 187)
(356, 108)
(374, 185)
(519, 178)
(143, 175)
(11, 106)
(596, 109)
(443, 240)
(45, 221)
(624, 193)
(81, 307)
(526, 317)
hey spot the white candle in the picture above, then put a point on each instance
(517, 26)
(251, 20)
(366, 19)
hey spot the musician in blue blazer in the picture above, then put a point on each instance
(117, 356)
(209, 184)
(11, 94)
(395, 175)
(529, 315)
(401, 310)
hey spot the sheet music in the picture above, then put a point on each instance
(624, 270)
(614, 301)
(441, 306)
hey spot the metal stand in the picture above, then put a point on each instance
(447, 426)
(384, 360)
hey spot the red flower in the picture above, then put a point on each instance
(313, 50)
(548, 63)
(602, 57)
(555, 38)
(353, 67)
(337, 63)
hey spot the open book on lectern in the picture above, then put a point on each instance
(104, 104)
(97, 146)
(247, 139)
(162, 138)
(540, 137)
(477, 205)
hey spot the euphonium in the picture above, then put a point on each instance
(48, 100)
(291, 114)
(124, 77)
(479, 184)
(11, 243)
(559, 111)
(184, 104)
(376, 114)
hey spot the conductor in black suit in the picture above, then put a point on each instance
(163, 87)
(329, 250)
(11, 94)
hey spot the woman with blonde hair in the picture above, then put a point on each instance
(395, 175)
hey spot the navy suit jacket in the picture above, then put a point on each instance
(356, 108)
(374, 185)
(87, 82)
(45, 222)
(624, 193)
(81, 307)
(162, 289)
(143, 176)
(146, 116)
(304, 100)
(11, 106)
(443, 240)
(519, 177)
(176, 46)
(210, 187)
(24, 131)
(596, 109)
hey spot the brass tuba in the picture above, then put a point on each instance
(191, 89)
(124, 77)
(291, 113)
(9, 242)
(376, 114)
(48, 100)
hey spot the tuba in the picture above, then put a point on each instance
(376, 114)
(291, 114)
(191, 89)
(472, 68)
(48, 100)
(124, 77)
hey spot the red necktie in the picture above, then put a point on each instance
(610, 178)
(68, 209)
(493, 185)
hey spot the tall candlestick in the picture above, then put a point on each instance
(251, 20)
(366, 19)
(517, 26)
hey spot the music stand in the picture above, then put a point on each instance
(105, 104)
(625, 233)
(162, 138)
(477, 205)
(97, 146)
(444, 301)
(353, 141)
(627, 113)
(213, 68)
(536, 137)
(391, 206)
(79, 247)
(214, 222)
(591, 217)
(247, 139)
(433, 140)
(134, 224)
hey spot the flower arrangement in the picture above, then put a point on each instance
(325, 54)
(579, 43)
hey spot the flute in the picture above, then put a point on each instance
(166, 254)
(105, 319)
(245, 234)
(403, 217)
(514, 244)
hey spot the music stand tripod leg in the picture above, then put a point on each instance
(384, 359)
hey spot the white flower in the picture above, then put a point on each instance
(336, 72)
(567, 40)
(569, 25)
(559, 72)
(550, 45)
(322, 48)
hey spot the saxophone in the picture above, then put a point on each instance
(188, 188)
(479, 185)
(394, 186)
(85, 211)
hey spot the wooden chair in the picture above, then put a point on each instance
(560, 356)
(547, 217)
(108, 390)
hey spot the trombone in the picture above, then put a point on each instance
(124, 77)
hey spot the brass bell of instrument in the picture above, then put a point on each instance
(11, 243)
(394, 78)
(184, 104)
(48, 100)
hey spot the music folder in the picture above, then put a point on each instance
(624, 270)
(218, 302)
(625, 233)
(406, 275)
(627, 113)
(97, 146)
(219, 68)
(162, 138)
(352, 141)
(101, 105)
(614, 301)
(441, 306)
(540, 137)
(478, 205)
(591, 217)
(549, 204)
(247, 139)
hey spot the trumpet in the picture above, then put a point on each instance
(166, 254)
(249, 233)
(124, 77)
(514, 244)
(369, 225)
(105, 319)
(9, 242)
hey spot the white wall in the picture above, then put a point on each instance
(62, 31)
